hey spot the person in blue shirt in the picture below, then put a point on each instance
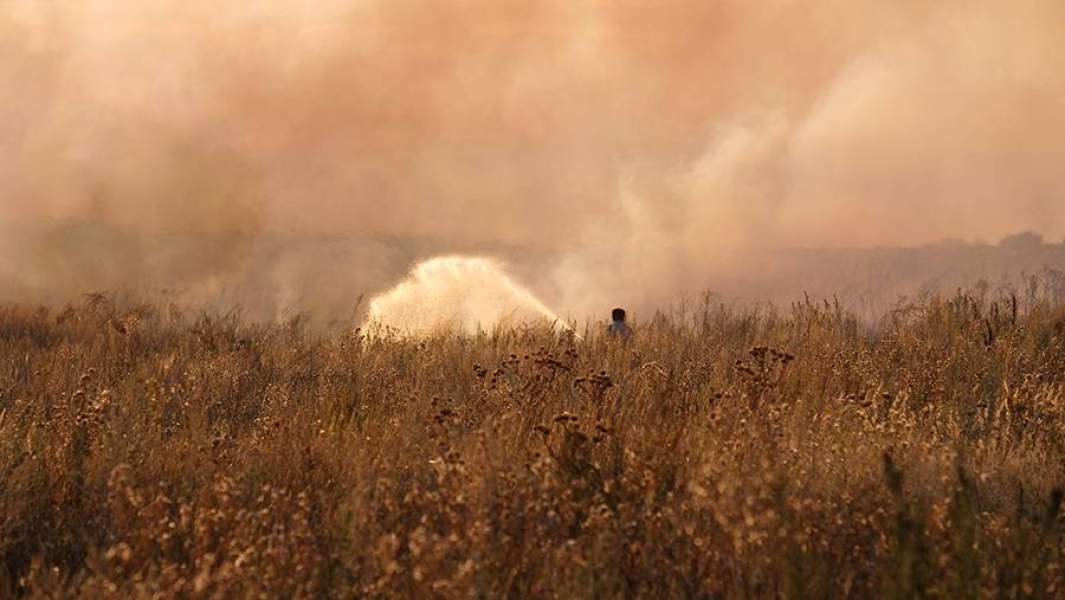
(618, 327)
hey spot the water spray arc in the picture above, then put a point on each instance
(466, 293)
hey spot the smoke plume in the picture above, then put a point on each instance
(287, 156)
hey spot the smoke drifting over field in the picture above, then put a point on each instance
(614, 152)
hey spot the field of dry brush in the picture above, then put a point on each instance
(719, 453)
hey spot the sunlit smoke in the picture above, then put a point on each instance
(467, 293)
(289, 156)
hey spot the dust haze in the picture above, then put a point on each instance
(287, 158)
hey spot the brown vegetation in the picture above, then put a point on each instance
(720, 452)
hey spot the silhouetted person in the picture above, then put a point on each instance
(618, 327)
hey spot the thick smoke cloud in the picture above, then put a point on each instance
(286, 156)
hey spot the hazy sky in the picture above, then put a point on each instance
(664, 136)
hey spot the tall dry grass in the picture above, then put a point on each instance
(721, 452)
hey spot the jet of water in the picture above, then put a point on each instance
(468, 293)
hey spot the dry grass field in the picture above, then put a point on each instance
(719, 453)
